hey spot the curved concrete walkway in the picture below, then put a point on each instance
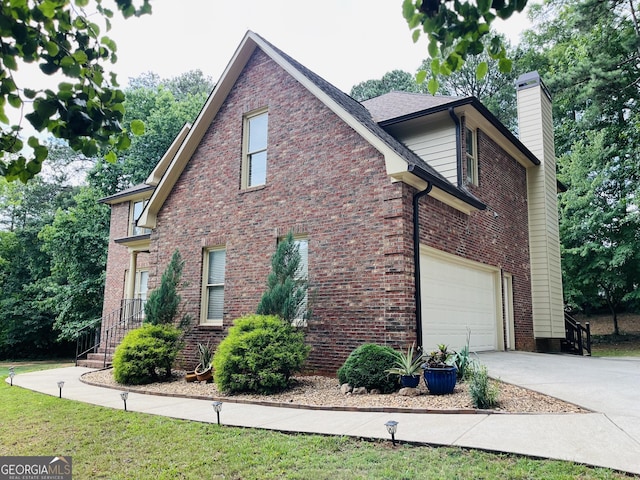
(608, 438)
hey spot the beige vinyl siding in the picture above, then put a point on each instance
(536, 132)
(436, 145)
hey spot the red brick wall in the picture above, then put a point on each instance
(497, 236)
(322, 180)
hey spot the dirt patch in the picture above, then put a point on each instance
(603, 324)
(324, 392)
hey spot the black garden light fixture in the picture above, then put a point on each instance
(124, 396)
(392, 428)
(217, 406)
(60, 385)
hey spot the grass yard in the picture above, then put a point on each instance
(113, 444)
(605, 343)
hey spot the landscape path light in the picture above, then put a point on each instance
(217, 406)
(124, 396)
(60, 385)
(11, 375)
(392, 428)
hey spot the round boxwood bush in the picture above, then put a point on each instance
(259, 355)
(146, 354)
(367, 367)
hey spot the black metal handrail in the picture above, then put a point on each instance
(578, 337)
(132, 316)
(104, 331)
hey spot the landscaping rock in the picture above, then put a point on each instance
(360, 391)
(346, 388)
(408, 392)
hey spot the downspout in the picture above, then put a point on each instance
(416, 259)
(456, 120)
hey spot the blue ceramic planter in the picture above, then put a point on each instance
(410, 381)
(440, 381)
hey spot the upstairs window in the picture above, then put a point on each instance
(136, 209)
(471, 142)
(254, 163)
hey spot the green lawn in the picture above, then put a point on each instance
(114, 444)
(627, 345)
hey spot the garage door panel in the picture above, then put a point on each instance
(456, 298)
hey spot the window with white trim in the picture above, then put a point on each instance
(302, 274)
(215, 260)
(254, 162)
(137, 206)
(471, 149)
(142, 279)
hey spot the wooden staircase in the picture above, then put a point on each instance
(96, 343)
(577, 337)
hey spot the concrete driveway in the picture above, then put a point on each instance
(607, 385)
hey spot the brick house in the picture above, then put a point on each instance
(418, 217)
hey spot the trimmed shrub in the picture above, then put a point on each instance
(259, 355)
(146, 354)
(367, 367)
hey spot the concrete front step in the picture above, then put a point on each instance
(93, 363)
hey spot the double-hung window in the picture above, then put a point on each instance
(213, 286)
(136, 210)
(254, 163)
(471, 143)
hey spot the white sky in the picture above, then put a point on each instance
(344, 41)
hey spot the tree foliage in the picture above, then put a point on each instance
(163, 305)
(76, 243)
(456, 30)
(396, 80)
(495, 89)
(86, 109)
(587, 52)
(165, 105)
(286, 291)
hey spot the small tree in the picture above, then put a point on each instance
(286, 287)
(163, 304)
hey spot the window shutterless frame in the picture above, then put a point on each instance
(254, 157)
(213, 278)
(471, 151)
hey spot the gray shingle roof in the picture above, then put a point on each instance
(397, 104)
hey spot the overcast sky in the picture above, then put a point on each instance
(344, 41)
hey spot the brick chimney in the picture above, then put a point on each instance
(535, 126)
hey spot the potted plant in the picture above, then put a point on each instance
(205, 358)
(440, 371)
(407, 367)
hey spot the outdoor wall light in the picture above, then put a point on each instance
(60, 385)
(392, 428)
(217, 406)
(124, 396)
(11, 375)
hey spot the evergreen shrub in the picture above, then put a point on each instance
(146, 354)
(260, 354)
(367, 366)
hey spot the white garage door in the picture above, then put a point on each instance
(456, 296)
